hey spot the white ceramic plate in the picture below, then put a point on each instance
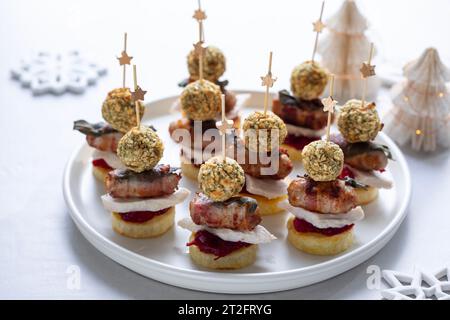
(279, 266)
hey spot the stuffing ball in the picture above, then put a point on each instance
(201, 100)
(119, 110)
(140, 149)
(259, 138)
(323, 160)
(220, 180)
(357, 123)
(213, 64)
(308, 80)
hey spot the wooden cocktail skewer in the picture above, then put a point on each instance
(224, 125)
(318, 27)
(328, 106)
(200, 15)
(124, 59)
(367, 70)
(268, 82)
(137, 96)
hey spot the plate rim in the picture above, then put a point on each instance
(193, 278)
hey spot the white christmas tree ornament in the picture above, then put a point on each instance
(342, 50)
(421, 105)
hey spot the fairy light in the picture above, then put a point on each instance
(399, 116)
(440, 95)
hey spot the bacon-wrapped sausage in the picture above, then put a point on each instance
(237, 213)
(363, 155)
(323, 197)
(161, 180)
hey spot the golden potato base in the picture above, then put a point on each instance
(266, 206)
(366, 196)
(236, 260)
(100, 173)
(149, 229)
(190, 171)
(318, 244)
(294, 154)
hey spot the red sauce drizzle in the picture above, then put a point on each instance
(298, 142)
(102, 164)
(210, 243)
(346, 172)
(141, 216)
(304, 226)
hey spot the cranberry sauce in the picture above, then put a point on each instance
(141, 216)
(346, 172)
(210, 243)
(304, 226)
(298, 142)
(101, 163)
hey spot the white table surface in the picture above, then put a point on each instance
(38, 240)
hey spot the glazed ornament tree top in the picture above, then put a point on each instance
(421, 104)
(342, 50)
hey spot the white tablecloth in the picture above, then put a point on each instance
(39, 244)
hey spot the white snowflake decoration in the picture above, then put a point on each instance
(420, 286)
(57, 73)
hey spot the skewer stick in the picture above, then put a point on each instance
(224, 121)
(365, 76)
(224, 125)
(124, 75)
(268, 82)
(266, 96)
(200, 15)
(318, 27)
(137, 102)
(201, 34)
(330, 112)
(328, 106)
(200, 64)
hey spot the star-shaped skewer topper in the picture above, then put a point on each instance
(224, 126)
(318, 26)
(138, 94)
(268, 80)
(329, 104)
(199, 15)
(367, 70)
(124, 58)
